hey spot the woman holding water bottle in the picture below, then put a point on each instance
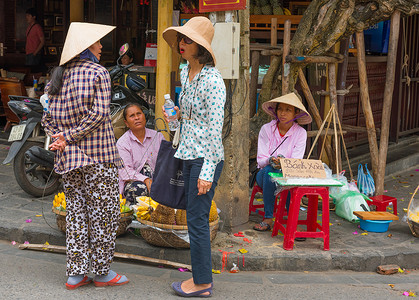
(201, 113)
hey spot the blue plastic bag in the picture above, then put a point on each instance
(365, 181)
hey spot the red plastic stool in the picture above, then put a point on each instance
(382, 201)
(256, 207)
(290, 231)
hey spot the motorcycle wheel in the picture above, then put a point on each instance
(31, 177)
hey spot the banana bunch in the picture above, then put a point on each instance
(414, 217)
(59, 202)
(145, 206)
(287, 12)
(122, 203)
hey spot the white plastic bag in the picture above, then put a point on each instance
(348, 202)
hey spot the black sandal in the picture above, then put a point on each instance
(261, 225)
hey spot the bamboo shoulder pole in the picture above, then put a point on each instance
(313, 108)
(62, 249)
(365, 100)
(388, 97)
(286, 50)
(164, 57)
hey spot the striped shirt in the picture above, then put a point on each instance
(81, 112)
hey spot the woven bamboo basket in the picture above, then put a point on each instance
(166, 238)
(414, 227)
(124, 221)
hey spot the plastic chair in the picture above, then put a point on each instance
(382, 201)
(256, 207)
(290, 231)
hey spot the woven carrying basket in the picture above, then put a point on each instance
(414, 227)
(161, 238)
(124, 221)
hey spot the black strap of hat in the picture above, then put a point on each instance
(278, 146)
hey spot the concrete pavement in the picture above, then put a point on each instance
(348, 251)
(41, 275)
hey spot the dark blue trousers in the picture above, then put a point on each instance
(197, 213)
(265, 182)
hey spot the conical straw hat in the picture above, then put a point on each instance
(81, 36)
(290, 99)
(198, 29)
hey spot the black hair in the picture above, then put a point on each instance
(296, 109)
(31, 11)
(204, 56)
(56, 80)
(129, 53)
(131, 105)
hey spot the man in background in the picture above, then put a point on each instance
(35, 41)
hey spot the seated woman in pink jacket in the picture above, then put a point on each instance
(282, 137)
(138, 148)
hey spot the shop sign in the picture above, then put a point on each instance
(150, 57)
(302, 168)
(221, 5)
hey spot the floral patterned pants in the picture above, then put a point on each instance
(92, 199)
(135, 189)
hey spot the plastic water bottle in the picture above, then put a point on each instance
(169, 107)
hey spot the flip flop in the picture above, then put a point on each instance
(86, 280)
(262, 224)
(112, 282)
(177, 287)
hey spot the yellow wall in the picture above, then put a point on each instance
(164, 58)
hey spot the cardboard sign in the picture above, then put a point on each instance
(302, 168)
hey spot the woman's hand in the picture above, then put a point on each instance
(275, 162)
(203, 187)
(60, 143)
(148, 183)
(166, 116)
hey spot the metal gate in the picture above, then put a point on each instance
(405, 109)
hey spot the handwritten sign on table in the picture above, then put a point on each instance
(302, 168)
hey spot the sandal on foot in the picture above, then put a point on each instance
(177, 287)
(86, 280)
(112, 282)
(261, 227)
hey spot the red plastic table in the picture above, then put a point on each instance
(290, 231)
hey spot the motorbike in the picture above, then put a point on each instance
(33, 162)
(125, 85)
